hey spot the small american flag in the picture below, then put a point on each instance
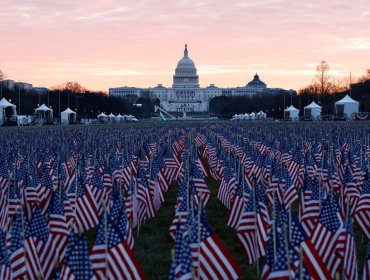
(77, 264)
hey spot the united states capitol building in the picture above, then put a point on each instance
(185, 95)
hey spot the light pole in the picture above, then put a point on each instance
(77, 97)
(350, 84)
(19, 98)
(350, 81)
(59, 100)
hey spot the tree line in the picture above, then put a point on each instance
(87, 104)
(325, 90)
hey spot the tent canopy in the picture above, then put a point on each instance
(291, 108)
(102, 115)
(68, 111)
(44, 108)
(66, 117)
(5, 103)
(346, 107)
(346, 100)
(312, 105)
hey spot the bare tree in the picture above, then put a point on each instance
(340, 85)
(2, 75)
(323, 77)
(313, 88)
(70, 86)
(364, 78)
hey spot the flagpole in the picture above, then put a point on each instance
(199, 231)
(75, 208)
(300, 263)
(255, 228)
(274, 224)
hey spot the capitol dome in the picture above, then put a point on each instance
(185, 62)
(256, 83)
(185, 72)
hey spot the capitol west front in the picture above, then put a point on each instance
(185, 95)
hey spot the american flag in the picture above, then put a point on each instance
(17, 251)
(349, 256)
(77, 264)
(39, 237)
(280, 269)
(313, 265)
(3, 175)
(87, 215)
(111, 257)
(212, 259)
(237, 205)
(14, 202)
(5, 270)
(97, 189)
(326, 233)
(362, 212)
(247, 230)
(310, 164)
(58, 225)
(350, 191)
(200, 185)
(310, 205)
(290, 195)
(181, 212)
(296, 169)
(181, 266)
(118, 214)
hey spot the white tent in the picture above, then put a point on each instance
(130, 117)
(120, 117)
(67, 116)
(102, 115)
(312, 111)
(261, 115)
(291, 113)
(252, 116)
(3, 105)
(246, 116)
(237, 117)
(346, 107)
(44, 112)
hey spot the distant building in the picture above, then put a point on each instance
(12, 85)
(40, 90)
(23, 86)
(9, 84)
(185, 93)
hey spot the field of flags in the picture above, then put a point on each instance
(73, 200)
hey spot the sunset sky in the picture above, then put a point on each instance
(109, 43)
